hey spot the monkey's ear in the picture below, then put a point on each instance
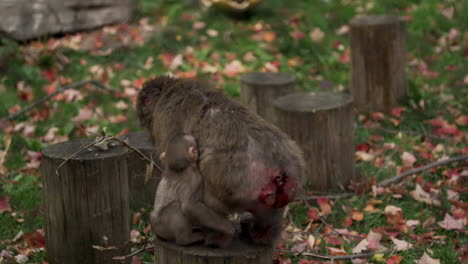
(163, 156)
(193, 153)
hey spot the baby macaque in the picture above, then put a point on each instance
(179, 213)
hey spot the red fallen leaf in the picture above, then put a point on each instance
(50, 75)
(4, 204)
(344, 57)
(336, 44)
(348, 221)
(35, 239)
(297, 35)
(395, 259)
(166, 58)
(438, 122)
(313, 214)
(377, 116)
(139, 82)
(325, 205)
(27, 96)
(363, 147)
(136, 260)
(334, 240)
(50, 88)
(448, 130)
(396, 111)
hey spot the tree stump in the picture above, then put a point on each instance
(322, 125)
(86, 204)
(239, 252)
(142, 188)
(378, 62)
(260, 89)
(27, 19)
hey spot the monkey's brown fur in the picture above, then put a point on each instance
(246, 163)
(178, 205)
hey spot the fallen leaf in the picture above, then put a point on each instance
(4, 204)
(83, 115)
(401, 244)
(361, 246)
(426, 259)
(35, 239)
(269, 36)
(233, 68)
(21, 258)
(299, 247)
(356, 215)
(361, 155)
(316, 35)
(422, 196)
(311, 241)
(374, 240)
(450, 223)
(408, 159)
(462, 120)
(391, 209)
(395, 259)
(325, 205)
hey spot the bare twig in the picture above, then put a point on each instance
(141, 250)
(48, 97)
(78, 152)
(339, 257)
(137, 151)
(421, 169)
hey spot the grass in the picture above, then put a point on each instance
(442, 95)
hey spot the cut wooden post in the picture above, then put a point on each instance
(378, 62)
(86, 204)
(142, 188)
(238, 253)
(322, 125)
(260, 89)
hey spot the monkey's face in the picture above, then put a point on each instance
(149, 96)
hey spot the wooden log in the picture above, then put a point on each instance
(378, 62)
(239, 252)
(142, 188)
(260, 89)
(86, 204)
(26, 19)
(322, 125)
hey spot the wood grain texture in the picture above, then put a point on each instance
(141, 190)
(239, 252)
(86, 204)
(322, 125)
(260, 89)
(27, 19)
(378, 62)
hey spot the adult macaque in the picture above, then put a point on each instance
(178, 208)
(246, 163)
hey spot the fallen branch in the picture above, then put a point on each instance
(339, 257)
(421, 169)
(48, 97)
